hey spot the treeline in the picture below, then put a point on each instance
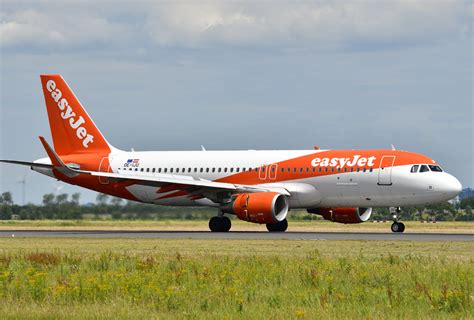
(65, 206)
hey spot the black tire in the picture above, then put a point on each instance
(395, 227)
(219, 224)
(214, 224)
(278, 227)
(226, 224)
(402, 226)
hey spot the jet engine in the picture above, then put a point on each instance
(260, 207)
(343, 215)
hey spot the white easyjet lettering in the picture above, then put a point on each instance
(341, 162)
(68, 113)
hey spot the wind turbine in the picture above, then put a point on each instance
(23, 187)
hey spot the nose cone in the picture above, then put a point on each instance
(451, 186)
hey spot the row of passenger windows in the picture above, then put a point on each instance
(425, 168)
(261, 169)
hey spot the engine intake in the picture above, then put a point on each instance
(343, 215)
(261, 207)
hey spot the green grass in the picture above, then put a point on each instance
(194, 279)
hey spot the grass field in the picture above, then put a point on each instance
(237, 225)
(194, 279)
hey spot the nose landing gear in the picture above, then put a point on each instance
(397, 226)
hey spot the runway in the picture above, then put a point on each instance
(240, 235)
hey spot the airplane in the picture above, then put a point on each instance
(261, 187)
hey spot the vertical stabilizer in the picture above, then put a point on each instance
(72, 129)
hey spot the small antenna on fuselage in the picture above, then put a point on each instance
(393, 147)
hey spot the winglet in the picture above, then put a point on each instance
(56, 160)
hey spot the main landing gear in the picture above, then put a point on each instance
(278, 227)
(397, 226)
(220, 224)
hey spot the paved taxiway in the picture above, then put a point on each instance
(236, 235)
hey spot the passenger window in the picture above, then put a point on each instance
(424, 168)
(314, 169)
(159, 170)
(320, 169)
(153, 170)
(332, 169)
(338, 169)
(171, 170)
(365, 169)
(273, 169)
(136, 169)
(231, 169)
(237, 169)
(294, 169)
(358, 169)
(201, 170)
(141, 169)
(147, 169)
(371, 170)
(219, 170)
(301, 169)
(289, 169)
(207, 169)
(435, 168)
(213, 169)
(165, 170)
(225, 169)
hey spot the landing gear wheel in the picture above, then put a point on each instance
(278, 227)
(398, 227)
(402, 226)
(220, 224)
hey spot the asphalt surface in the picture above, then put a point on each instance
(236, 235)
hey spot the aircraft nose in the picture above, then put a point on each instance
(452, 186)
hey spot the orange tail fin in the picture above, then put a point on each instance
(72, 129)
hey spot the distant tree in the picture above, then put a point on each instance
(102, 198)
(48, 199)
(61, 198)
(116, 201)
(7, 198)
(75, 198)
(467, 202)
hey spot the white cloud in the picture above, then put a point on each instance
(321, 23)
(324, 24)
(41, 27)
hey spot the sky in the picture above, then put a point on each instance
(241, 75)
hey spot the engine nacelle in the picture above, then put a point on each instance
(260, 207)
(343, 215)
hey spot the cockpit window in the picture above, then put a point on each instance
(414, 168)
(435, 168)
(424, 168)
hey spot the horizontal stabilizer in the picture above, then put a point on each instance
(29, 164)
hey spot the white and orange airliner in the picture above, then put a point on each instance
(257, 186)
